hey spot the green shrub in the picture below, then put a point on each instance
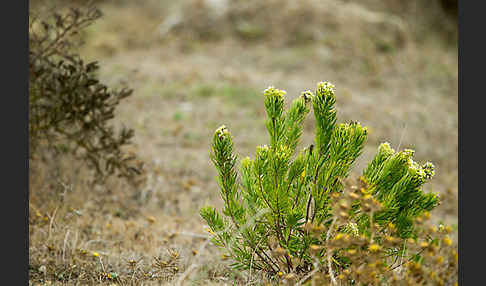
(283, 212)
(69, 109)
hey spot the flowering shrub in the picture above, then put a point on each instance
(291, 215)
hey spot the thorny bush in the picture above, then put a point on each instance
(69, 109)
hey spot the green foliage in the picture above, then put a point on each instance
(279, 196)
(69, 109)
(396, 180)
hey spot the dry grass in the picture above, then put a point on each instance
(406, 93)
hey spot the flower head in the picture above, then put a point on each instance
(274, 101)
(374, 247)
(429, 170)
(306, 95)
(325, 88)
(222, 131)
(273, 92)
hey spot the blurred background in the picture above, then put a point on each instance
(197, 64)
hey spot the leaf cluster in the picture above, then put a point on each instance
(69, 108)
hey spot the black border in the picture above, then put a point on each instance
(471, 116)
(14, 125)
